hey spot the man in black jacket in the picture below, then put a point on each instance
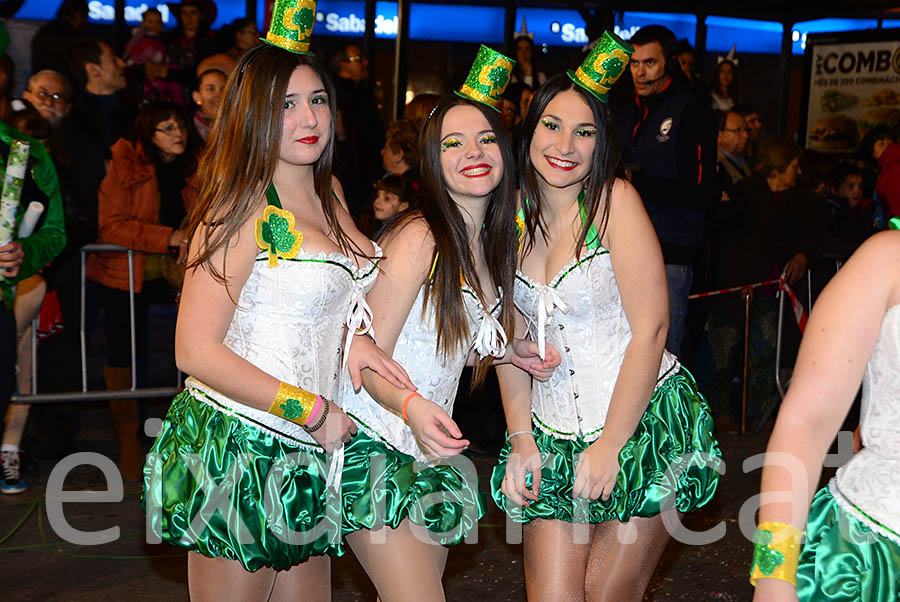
(670, 156)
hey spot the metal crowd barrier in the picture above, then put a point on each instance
(97, 395)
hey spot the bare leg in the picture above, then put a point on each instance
(221, 579)
(309, 581)
(218, 579)
(403, 567)
(556, 559)
(623, 557)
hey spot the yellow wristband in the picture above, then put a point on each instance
(776, 550)
(293, 403)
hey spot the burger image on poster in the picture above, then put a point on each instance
(834, 133)
(880, 116)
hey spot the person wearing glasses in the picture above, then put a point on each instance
(50, 93)
(140, 207)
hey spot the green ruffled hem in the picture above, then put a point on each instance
(843, 560)
(273, 497)
(444, 499)
(671, 453)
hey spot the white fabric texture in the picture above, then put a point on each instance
(436, 376)
(579, 312)
(871, 479)
(289, 322)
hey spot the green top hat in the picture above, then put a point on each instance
(603, 66)
(292, 25)
(487, 78)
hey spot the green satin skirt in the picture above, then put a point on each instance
(671, 460)
(382, 486)
(843, 560)
(220, 487)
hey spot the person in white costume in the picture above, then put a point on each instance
(851, 550)
(438, 305)
(619, 434)
(276, 275)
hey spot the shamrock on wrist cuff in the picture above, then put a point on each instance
(294, 404)
(776, 550)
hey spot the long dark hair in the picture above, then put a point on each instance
(451, 239)
(243, 149)
(605, 163)
(731, 90)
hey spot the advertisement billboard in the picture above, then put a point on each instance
(852, 84)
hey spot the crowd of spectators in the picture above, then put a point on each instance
(125, 131)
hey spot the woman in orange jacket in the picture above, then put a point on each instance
(141, 206)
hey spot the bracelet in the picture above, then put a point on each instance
(314, 413)
(406, 403)
(293, 404)
(326, 405)
(776, 551)
(511, 435)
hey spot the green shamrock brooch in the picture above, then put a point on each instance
(275, 233)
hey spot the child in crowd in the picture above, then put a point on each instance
(147, 46)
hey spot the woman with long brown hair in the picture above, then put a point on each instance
(241, 471)
(440, 303)
(619, 434)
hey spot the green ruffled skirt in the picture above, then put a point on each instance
(382, 486)
(671, 460)
(843, 560)
(220, 487)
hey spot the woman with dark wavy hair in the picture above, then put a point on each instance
(276, 275)
(592, 449)
(440, 304)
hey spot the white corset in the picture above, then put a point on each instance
(870, 481)
(435, 375)
(581, 314)
(289, 322)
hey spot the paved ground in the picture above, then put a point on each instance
(36, 564)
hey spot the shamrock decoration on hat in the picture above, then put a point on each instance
(292, 25)
(603, 66)
(488, 77)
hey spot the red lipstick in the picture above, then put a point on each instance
(308, 140)
(476, 171)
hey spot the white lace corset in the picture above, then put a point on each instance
(289, 322)
(581, 314)
(436, 375)
(871, 479)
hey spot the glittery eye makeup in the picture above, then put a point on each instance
(550, 124)
(319, 99)
(586, 132)
(450, 143)
(488, 139)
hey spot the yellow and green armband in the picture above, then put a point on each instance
(776, 550)
(296, 405)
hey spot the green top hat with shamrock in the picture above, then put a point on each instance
(603, 66)
(292, 25)
(487, 78)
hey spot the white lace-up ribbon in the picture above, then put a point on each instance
(359, 321)
(335, 468)
(548, 299)
(490, 340)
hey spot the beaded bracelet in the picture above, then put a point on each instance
(776, 551)
(294, 404)
(326, 405)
